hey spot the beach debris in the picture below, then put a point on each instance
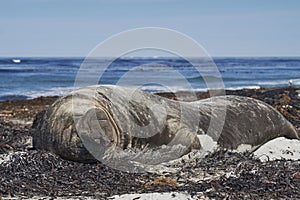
(298, 93)
(13, 138)
(7, 147)
(284, 98)
(40, 174)
(61, 178)
(22, 112)
(162, 182)
(6, 113)
(297, 175)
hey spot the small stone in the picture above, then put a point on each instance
(7, 147)
(6, 113)
(296, 176)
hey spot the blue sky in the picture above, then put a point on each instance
(222, 27)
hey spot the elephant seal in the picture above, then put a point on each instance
(109, 117)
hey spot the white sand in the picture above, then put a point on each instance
(279, 148)
(5, 158)
(143, 196)
(207, 143)
(164, 196)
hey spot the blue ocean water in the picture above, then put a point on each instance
(25, 78)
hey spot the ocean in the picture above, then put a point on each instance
(26, 78)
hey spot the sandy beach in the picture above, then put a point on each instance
(270, 172)
(124, 100)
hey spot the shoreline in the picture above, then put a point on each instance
(285, 99)
(221, 174)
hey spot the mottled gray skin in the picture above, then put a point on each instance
(247, 121)
(111, 116)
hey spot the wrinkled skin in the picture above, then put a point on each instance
(113, 116)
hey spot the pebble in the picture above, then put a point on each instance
(297, 176)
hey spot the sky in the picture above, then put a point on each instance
(223, 27)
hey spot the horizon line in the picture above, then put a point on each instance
(156, 57)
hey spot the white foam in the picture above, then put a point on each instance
(279, 148)
(295, 81)
(243, 87)
(280, 82)
(16, 60)
(55, 91)
(157, 88)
